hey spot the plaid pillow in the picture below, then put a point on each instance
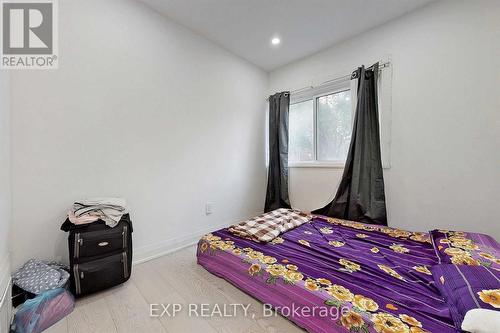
(265, 227)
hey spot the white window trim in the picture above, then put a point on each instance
(318, 164)
(313, 95)
(385, 116)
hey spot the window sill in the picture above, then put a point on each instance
(315, 164)
(331, 165)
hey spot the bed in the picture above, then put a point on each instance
(332, 275)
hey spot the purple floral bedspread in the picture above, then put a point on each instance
(378, 277)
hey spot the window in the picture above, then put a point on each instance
(301, 127)
(321, 119)
(320, 129)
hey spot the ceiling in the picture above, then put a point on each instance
(245, 27)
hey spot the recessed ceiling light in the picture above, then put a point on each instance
(275, 41)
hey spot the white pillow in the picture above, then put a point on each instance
(481, 321)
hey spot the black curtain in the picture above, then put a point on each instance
(277, 179)
(360, 196)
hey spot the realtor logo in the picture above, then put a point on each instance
(29, 38)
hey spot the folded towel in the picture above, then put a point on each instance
(82, 219)
(266, 227)
(113, 202)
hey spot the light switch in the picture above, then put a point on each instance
(209, 207)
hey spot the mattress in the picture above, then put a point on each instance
(332, 275)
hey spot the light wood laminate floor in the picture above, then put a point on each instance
(174, 278)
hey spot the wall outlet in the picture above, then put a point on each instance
(209, 208)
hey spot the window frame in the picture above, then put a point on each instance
(314, 96)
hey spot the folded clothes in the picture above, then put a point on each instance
(110, 210)
(37, 276)
(265, 227)
(82, 219)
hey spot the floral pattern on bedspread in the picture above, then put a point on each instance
(379, 274)
(462, 248)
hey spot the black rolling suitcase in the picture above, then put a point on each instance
(100, 257)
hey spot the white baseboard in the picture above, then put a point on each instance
(154, 251)
(4, 275)
(150, 252)
(5, 294)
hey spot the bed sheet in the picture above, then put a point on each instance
(377, 279)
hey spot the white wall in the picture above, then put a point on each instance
(445, 115)
(5, 188)
(5, 209)
(141, 108)
(5, 201)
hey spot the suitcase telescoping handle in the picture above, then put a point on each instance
(77, 280)
(78, 243)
